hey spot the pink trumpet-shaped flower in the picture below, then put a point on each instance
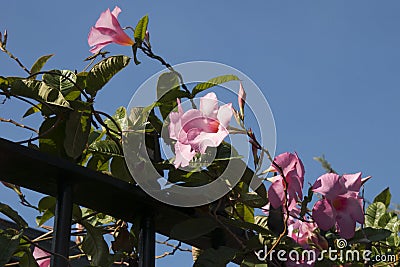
(293, 170)
(341, 204)
(40, 255)
(107, 30)
(195, 130)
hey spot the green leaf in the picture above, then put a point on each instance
(120, 170)
(40, 92)
(253, 199)
(213, 82)
(216, 257)
(137, 118)
(141, 28)
(325, 164)
(32, 110)
(106, 147)
(245, 212)
(39, 64)
(47, 206)
(193, 228)
(385, 196)
(120, 118)
(13, 215)
(4, 83)
(373, 213)
(247, 226)
(95, 246)
(77, 129)
(167, 92)
(81, 79)
(188, 179)
(261, 221)
(134, 51)
(62, 80)
(99, 162)
(369, 234)
(27, 260)
(387, 220)
(9, 241)
(103, 71)
(52, 137)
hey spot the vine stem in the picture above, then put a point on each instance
(147, 51)
(3, 49)
(19, 125)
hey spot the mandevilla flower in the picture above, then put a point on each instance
(197, 129)
(40, 255)
(341, 204)
(107, 30)
(293, 170)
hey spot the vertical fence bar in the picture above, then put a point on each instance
(62, 225)
(147, 239)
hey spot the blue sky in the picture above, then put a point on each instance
(329, 69)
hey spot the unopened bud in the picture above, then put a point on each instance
(147, 38)
(241, 101)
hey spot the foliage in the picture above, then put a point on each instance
(72, 128)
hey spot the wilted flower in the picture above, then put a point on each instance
(341, 204)
(42, 257)
(197, 129)
(107, 30)
(293, 170)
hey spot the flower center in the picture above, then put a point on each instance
(213, 126)
(339, 203)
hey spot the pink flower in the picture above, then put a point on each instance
(293, 170)
(107, 30)
(341, 204)
(40, 255)
(195, 130)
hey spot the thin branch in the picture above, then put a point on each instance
(175, 249)
(19, 125)
(226, 227)
(3, 48)
(8, 94)
(46, 250)
(43, 134)
(111, 119)
(148, 52)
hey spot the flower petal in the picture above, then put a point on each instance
(204, 140)
(184, 155)
(352, 181)
(39, 253)
(329, 185)
(346, 225)
(225, 113)
(355, 209)
(175, 122)
(209, 105)
(116, 11)
(276, 194)
(323, 214)
(100, 35)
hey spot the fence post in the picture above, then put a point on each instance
(62, 225)
(147, 239)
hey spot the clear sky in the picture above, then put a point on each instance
(329, 69)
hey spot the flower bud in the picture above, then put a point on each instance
(241, 101)
(147, 37)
